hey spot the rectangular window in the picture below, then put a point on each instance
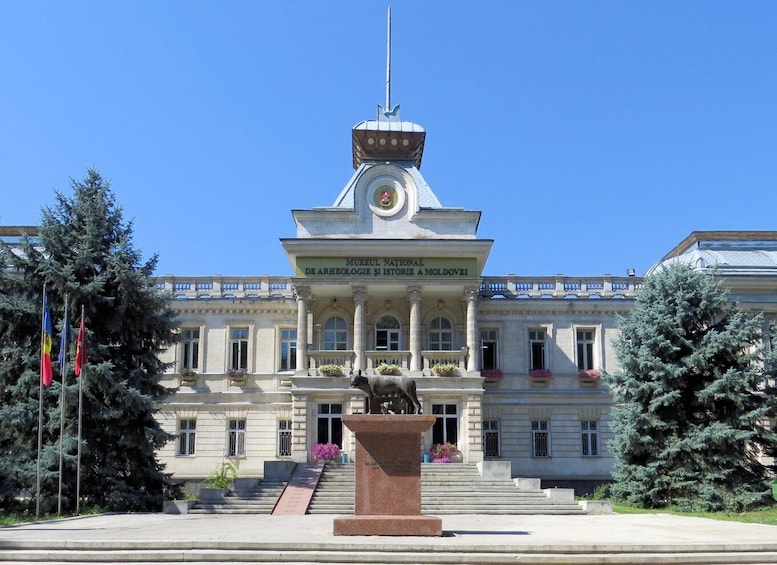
(236, 439)
(330, 424)
(288, 352)
(190, 348)
(186, 432)
(585, 349)
(537, 350)
(488, 350)
(590, 437)
(491, 438)
(540, 438)
(238, 342)
(284, 438)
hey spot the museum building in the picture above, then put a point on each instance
(387, 280)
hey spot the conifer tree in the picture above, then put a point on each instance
(86, 253)
(691, 399)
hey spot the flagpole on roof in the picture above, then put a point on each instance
(63, 345)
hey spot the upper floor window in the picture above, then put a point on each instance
(335, 334)
(537, 359)
(488, 350)
(190, 348)
(585, 349)
(238, 341)
(440, 334)
(387, 334)
(288, 352)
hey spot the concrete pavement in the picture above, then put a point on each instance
(610, 538)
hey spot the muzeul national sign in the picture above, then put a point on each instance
(387, 267)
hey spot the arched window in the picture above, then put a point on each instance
(335, 334)
(440, 334)
(387, 333)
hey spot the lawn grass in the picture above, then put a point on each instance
(763, 516)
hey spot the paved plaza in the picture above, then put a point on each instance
(609, 538)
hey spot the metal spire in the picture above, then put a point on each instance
(388, 61)
(387, 112)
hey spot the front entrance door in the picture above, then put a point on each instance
(446, 426)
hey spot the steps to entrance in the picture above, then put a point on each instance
(450, 488)
(249, 496)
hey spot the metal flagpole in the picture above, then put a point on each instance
(40, 407)
(64, 342)
(81, 378)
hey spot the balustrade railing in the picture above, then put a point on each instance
(376, 358)
(515, 287)
(189, 288)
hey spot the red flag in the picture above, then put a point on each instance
(80, 347)
(46, 373)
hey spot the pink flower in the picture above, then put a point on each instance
(540, 374)
(492, 373)
(589, 374)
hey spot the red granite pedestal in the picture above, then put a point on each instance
(388, 477)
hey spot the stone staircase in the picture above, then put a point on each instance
(451, 488)
(248, 496)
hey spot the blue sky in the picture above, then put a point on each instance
(593, 136)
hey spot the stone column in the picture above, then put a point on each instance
(414, 297)
(303, 295)
(473, 337)
(359, 300)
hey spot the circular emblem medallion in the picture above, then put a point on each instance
(387, 197)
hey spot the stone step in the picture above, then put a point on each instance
(451, 488)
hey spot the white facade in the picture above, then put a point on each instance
(389, 275)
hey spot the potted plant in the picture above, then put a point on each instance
(589, 374)
(492, 374)
(540, 374)
(188, 376)
(444, 369)
(325, 452)
(388, 369)
(446, 453)
(218, 482)
(237, 376)
(331, 370)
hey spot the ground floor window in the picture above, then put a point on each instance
(330, 424)
(491, 438)
(590, 437)
(186, 433)
(236, 438)
(446, 426)
(284, 438)
(540, 438)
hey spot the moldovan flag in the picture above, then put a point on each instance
(81, 347)
(46, 373)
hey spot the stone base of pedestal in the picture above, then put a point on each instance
(386, 525)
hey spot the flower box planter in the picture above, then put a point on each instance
(444, 369)
(237, 377)
(330, 370)
(187, 377)
(388, 369)
(589, 377)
